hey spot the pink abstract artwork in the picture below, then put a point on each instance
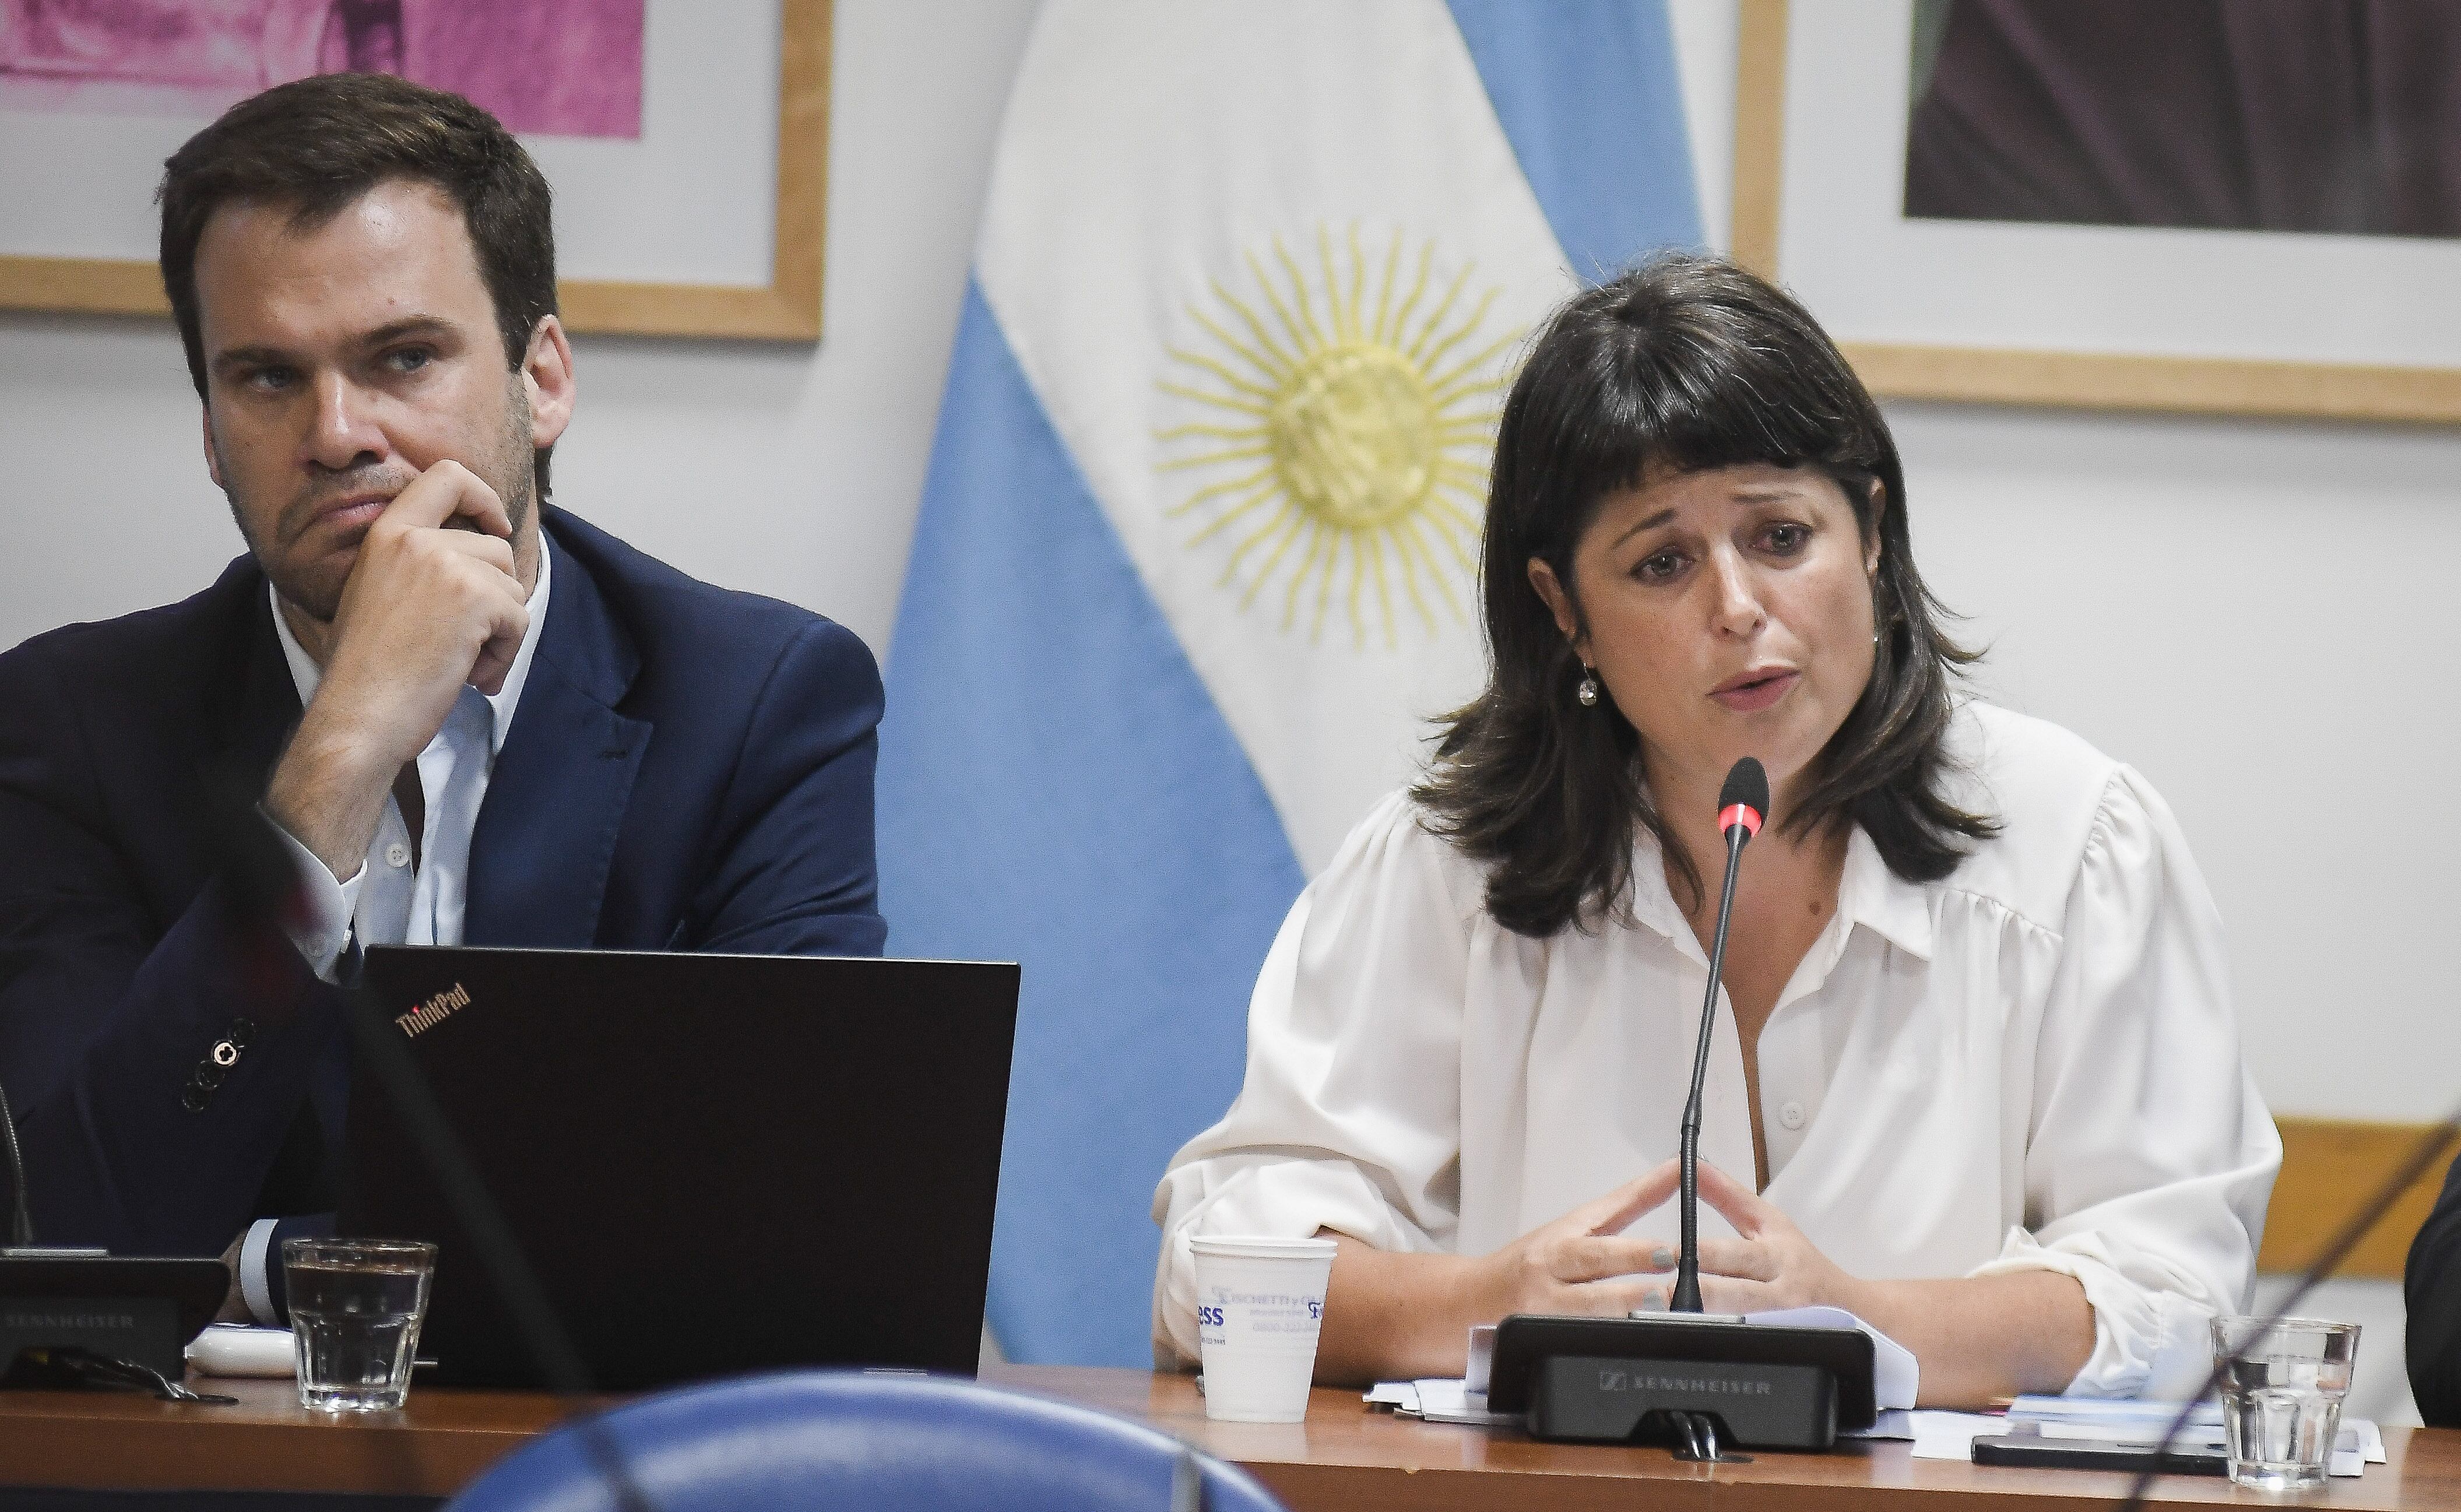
(556, 67)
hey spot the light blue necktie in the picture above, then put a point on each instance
(400, 903)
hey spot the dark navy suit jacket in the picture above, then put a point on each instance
(2431, 1285)
(688, 769)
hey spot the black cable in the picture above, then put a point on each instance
(263, 882)
(499, 1254)
(2423, 1155)
(21, 1217)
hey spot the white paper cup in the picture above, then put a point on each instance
(1259, 1303)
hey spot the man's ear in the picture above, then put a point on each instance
(1559, 603)
(546, 374)
(213, 456)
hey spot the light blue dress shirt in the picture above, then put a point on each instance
(388, 901)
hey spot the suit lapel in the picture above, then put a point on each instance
(546, 837)
(258, 722)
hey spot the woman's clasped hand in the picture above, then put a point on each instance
(1591, 1261)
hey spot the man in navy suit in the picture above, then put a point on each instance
(458, 716)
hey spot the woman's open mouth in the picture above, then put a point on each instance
(1758, 689)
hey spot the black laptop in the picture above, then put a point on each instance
(714, 1163)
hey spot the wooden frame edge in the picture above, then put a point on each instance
(1759, 134)
(2182, 385)
(2307, 390)
(2329, 1167)
(788, 309)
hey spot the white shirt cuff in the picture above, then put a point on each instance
(2150, 1337)
(321, 926)
(255, 1288)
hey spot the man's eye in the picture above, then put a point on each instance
(270, 380)
(408, 359)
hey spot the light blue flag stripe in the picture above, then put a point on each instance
(1588, 94)
(1058, 787)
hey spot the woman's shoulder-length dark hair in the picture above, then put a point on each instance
(1681, 363)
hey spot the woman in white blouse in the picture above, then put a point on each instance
(1975, 1074)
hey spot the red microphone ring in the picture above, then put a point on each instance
(1744, 814)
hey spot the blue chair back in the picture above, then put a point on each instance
(839, 1438)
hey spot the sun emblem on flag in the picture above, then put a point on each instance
(1354, 411)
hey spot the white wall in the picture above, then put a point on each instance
(2255, 614)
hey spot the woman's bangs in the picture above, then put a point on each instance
(1739, 408)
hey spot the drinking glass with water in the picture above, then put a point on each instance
(355, 1305)
(2281, 1398)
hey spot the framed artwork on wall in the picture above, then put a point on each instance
(687, 143)
(2236, 209)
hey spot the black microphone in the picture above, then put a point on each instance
(1743, 804)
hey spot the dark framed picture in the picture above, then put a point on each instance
(2249, 208)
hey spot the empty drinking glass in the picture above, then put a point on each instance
(355, 1305)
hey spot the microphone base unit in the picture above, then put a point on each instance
(1691, 1382)
(1582, 1398)
(141, 1311)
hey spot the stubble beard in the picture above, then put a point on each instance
(315, 589)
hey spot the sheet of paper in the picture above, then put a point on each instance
(2105, 1410)
(1442, 1401)
(1896, 1379)
(1951, 1436)
(1438, 1401)
(1893, 1423)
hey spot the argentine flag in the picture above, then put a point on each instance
(1196, 559)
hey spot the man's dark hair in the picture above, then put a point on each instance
(319, 143)
(1682, 364)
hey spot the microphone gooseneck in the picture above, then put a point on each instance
(1743, 806)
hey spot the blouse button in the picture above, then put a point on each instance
(396, 854)
(1791, 1115)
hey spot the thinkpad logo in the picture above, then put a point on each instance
(435, 1011)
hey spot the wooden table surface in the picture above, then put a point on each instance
(1343, 1456)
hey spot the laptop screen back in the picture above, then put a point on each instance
(714, 1164)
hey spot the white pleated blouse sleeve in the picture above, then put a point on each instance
(2150, 1156)
(1350, 1115)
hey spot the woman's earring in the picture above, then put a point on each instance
(1587, 692)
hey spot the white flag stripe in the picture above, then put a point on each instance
(1242, 153)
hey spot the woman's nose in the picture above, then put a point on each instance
(1738, 609)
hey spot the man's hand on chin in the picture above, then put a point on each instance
(426, 611)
